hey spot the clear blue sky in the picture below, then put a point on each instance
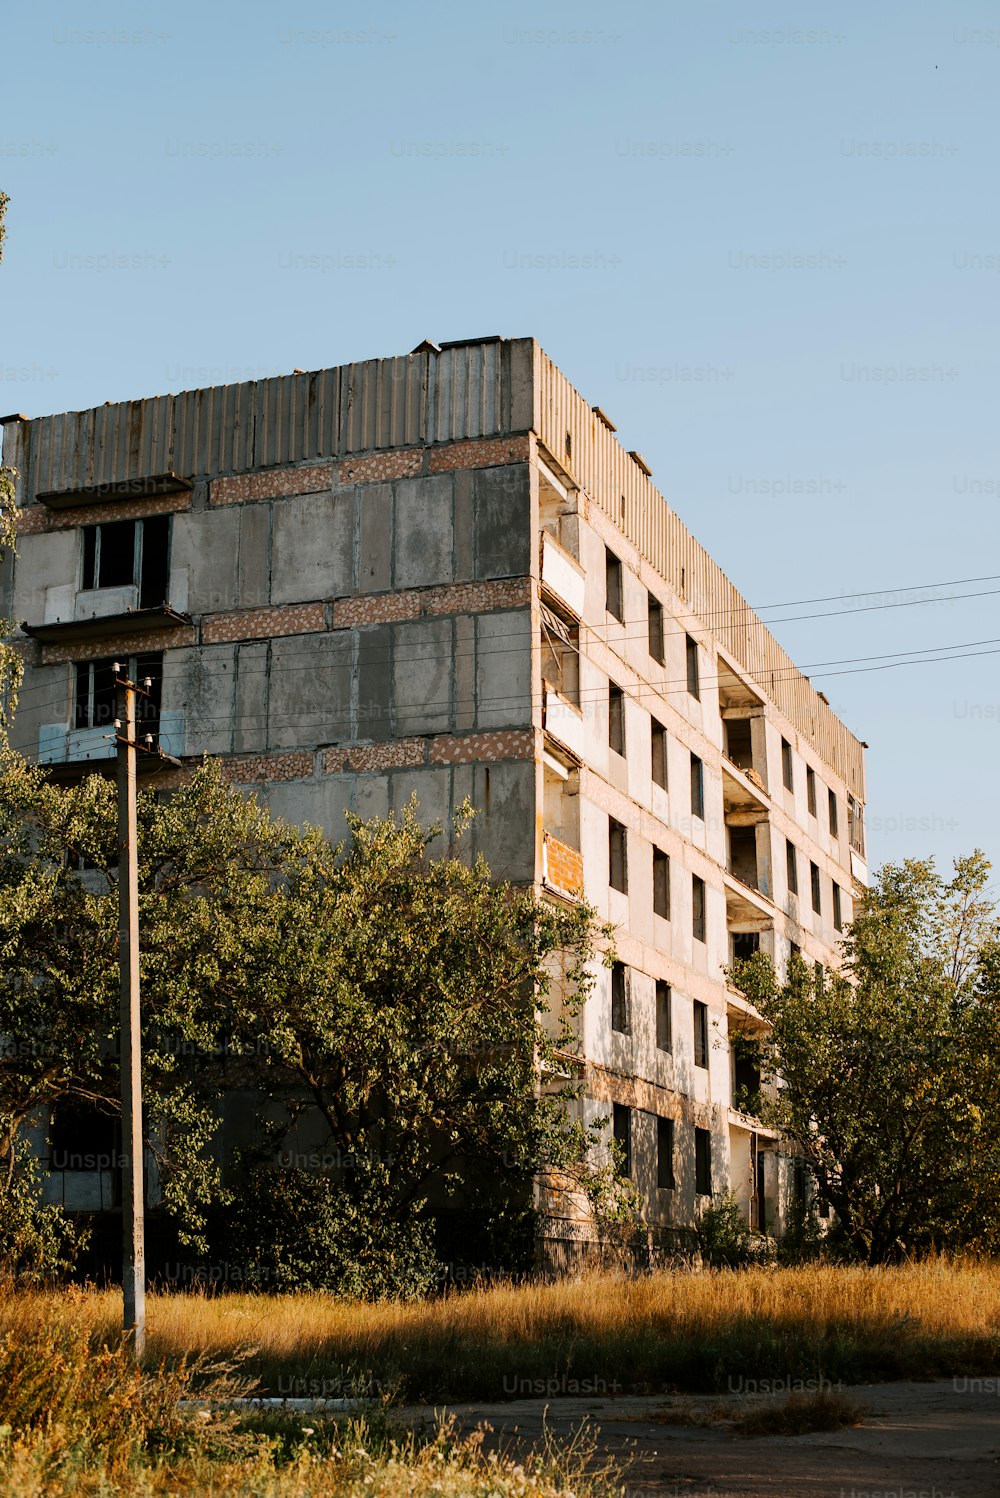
(765, 240)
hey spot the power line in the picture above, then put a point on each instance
(493, 703)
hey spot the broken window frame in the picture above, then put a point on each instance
(562, 641)
(150, 567)
(88, 691)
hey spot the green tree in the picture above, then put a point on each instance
(11, 666)
(388, 1013)
(889, 1077)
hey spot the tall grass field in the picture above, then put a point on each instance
(76, 1417)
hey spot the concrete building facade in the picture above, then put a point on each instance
(442, 575)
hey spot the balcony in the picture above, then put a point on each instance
(562, 720)
(102, 494)
(747, 909)
(562, 866)
(83, 628)
(67, 752)
(563, 579)
(744, 795)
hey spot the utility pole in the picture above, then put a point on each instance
(133, 1191)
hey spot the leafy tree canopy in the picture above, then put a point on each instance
(395, 1020)
(889, 1074)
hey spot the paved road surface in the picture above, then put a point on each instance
(932, 1440)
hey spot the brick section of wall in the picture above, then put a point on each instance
(40, 518)
(563, 865)
(398, 754)
(511, 743)
(273, 483)
(487, 453)
(249, 769)
(118, 645)
(443, 749)
(381, 466)
(414, 603)
(263, 624)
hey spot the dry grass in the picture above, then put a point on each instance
(688, 1331)
(75, 1419)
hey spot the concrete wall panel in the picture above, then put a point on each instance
(375, 543)
(253, 587)
(374, 673)
(504, 829)
(44, 562)
(310, 692)
(503, 669)
(424, 531)
(503, 521)
(312, 554)
(204, 551)
(422, 671)
(200, 685)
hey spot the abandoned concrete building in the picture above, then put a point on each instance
(441, 573)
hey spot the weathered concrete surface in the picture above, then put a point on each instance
(930, 1440)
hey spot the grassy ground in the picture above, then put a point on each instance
(78, 1419)
(698, 1332)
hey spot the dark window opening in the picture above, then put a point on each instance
(619, 999)
(834, 814)
(126, 553)
(658, 744)
(81, 1138)
(664, 1017)
(613, 585)
(791, 867)
(745, 944)
(697, 787)
(786, 765)
(739, 746)
(622, 1129)
(154, 576)
(617, 856)
(810, 791)
(743, 855)
(665, 1154)
(656, 640)
(703, 1162)
(817, 901)
(661, 884)
(838, 914)
(616, 719)
(693, 676)
(95, 694)
(697, 908)
(700, 1033)
(746, 1074)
